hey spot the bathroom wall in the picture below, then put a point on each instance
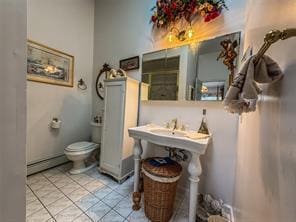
(66, 25)
(122, 30)
(266, 162)
(13, 35)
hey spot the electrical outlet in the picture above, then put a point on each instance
(227, 212)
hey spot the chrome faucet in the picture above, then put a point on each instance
(173, 124)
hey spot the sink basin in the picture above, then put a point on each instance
(167, 132)
(188, 140)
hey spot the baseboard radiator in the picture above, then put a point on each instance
(41, 165)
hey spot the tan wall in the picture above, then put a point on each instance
(266, 161)
(13, 18)
(66, 25)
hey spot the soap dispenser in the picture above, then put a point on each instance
(204, 126)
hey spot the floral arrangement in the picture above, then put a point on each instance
(167, 12)
(210, 10)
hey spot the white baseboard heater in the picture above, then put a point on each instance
(41, 165)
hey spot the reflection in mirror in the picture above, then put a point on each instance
(160, 74)
(212, 91)
(199, 71)
(213, 73)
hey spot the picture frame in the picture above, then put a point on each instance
(49, 65)
(130, 63)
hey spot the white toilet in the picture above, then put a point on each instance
(80, 152)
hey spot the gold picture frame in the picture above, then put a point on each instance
(48, 65)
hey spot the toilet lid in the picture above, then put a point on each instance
(79, 146)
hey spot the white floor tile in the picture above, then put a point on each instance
(113, 184)
(51, 197)
(112, 199)
(93, 185)
(68, 214)
(59, 205)
(33, 207)
(58, 177)
(94, 193)
(124, 189)
(82, 218)
(40, 216)
(46, 190)
(84, 179)
(51, 172)
(30, 197)
(124, 207)
(102, 192)
(35, 178)
(97, 211)
(87, 201)
(39, 184)
(91, 172)
(106, 180)
(75, 176)
(69, 188)
(112, 216)
(138, 216)
(63, 182)
(28, 190)
(78, 194)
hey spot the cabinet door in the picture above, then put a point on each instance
(113, 127)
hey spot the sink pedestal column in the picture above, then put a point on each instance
(194, 169)
(138, 150)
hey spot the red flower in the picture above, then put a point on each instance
(153, 18)
(174, 5)
(215, 14)
(207, 18)
(167, 10)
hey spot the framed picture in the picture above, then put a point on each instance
(48, 65)
(130, 63)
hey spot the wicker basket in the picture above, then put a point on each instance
(160, 185)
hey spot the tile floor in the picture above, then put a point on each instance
(56, 195)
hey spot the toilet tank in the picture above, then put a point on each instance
(96, 132)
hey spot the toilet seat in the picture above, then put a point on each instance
(81, 146)
(78, 153)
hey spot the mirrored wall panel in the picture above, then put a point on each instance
(199, 71)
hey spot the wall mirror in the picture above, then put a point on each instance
(201, 71)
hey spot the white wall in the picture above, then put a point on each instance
(209, 69)
(266, 178)
(122, 30)
(13, 20)
(67, 25)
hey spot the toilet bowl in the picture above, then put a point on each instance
(80, 152)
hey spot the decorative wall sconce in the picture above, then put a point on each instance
(182, 35)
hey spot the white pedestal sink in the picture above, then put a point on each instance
(191, 141)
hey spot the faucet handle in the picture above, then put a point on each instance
(183, 127)
(175, 123)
